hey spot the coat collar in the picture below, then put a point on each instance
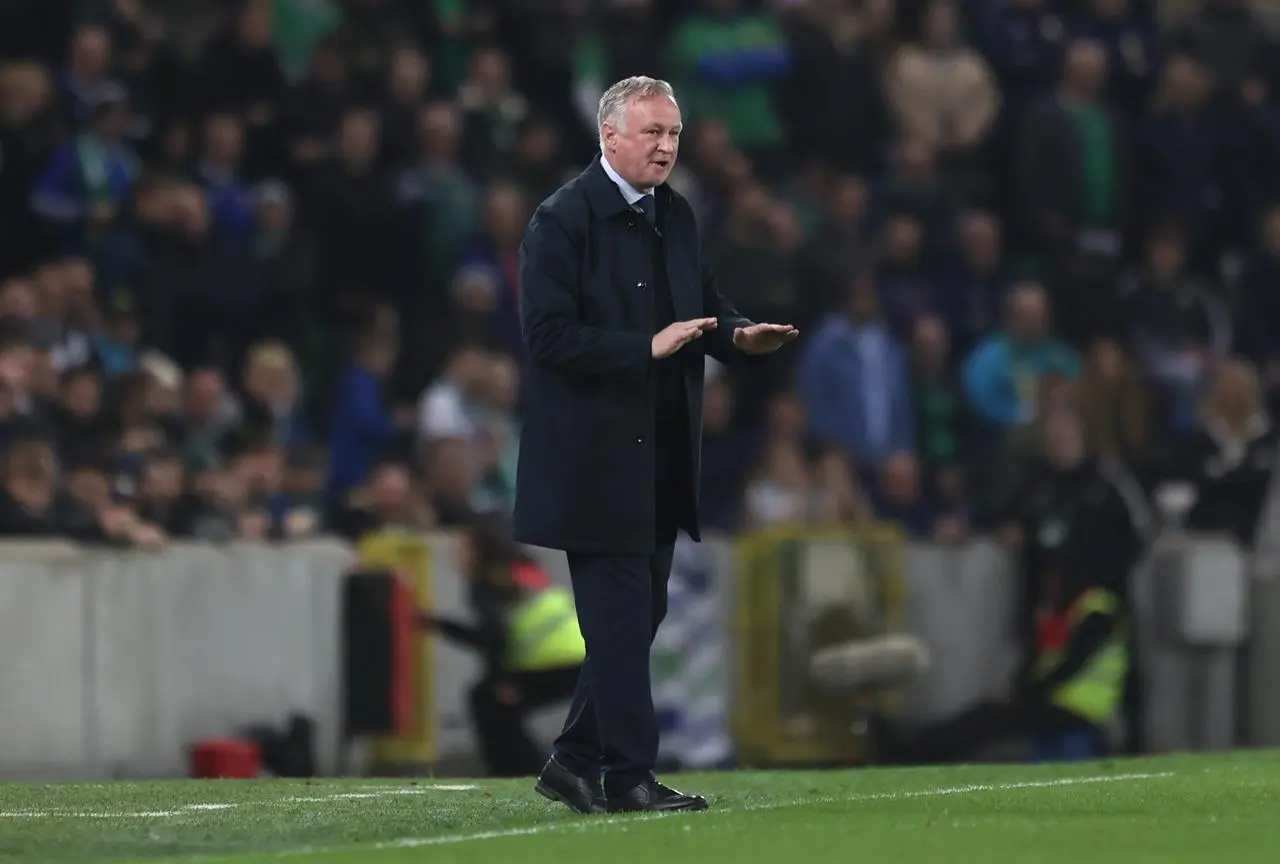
(606, 198)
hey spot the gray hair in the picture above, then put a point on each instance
(613, 104)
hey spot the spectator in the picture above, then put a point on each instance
(116, 345)
(836, 496)
(898, 497)
(1115, 406)
(219, 174)
(239, 71)
(491, 112)
(27, 126)
(87, 186)
(1178, 328)
(1000, 374)
(1228, 35)
(1074, 177)
(779, 491)
(284, 267)
(942, 414)
(446, 409)
(348, 208)
(619, 40)
(408, 81)
(437, 210)
(839, 245)
(907, 289)
(498, 435)
(1257, 312)
(160, 495)
(971, 295)
(941, 91)
(207, 415)
(853, 381)
(1183, 154)
(757, 250)
(832, 97)
(485, 288)
(1227, 463)
(724, 63)
(312, 109)
(272, 395)
(1130, 43)
(537, 166)
(362, 427)
(88, 70)
(726, 449)
(26, 501)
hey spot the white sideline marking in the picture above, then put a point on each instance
(190, 808)
(577, 825)
(111, 814)
(968, 789)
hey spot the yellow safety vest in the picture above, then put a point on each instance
(542, 632)
(1095, 692)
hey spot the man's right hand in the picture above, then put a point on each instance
(673, 338)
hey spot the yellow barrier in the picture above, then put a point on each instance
(802, 588)
(409, 556)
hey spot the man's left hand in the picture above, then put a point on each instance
(763, 338)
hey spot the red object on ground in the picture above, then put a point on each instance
(225, 758)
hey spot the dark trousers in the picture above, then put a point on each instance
(621, 601)
(505, 745)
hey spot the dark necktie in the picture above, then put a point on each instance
(649, 208)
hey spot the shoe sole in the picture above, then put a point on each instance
(552, 795)
(693, 807)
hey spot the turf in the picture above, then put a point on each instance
(1167, 810)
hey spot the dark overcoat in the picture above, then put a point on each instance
(585, 481)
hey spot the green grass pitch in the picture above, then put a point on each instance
(1163, 811)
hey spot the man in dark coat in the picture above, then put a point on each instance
(616, 303)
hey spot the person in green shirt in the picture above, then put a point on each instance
(724, 63)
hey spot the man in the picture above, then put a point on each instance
(1079, 528)
(616, 300)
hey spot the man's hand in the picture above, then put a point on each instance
(1010, 536)
(763, 338)
(149, 537)
(678, 335)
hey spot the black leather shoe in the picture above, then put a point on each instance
(573, 791)
(653, 796)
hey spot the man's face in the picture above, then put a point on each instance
(204, 397)
(643, 151)
(358, 137)
(224, 140)
(83, 396)
(1028, 316)
(163, 479)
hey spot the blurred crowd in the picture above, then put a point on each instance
(259, 258)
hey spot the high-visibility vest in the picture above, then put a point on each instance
(542, 632)
(1095, 692)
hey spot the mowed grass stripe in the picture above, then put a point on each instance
(334, 821)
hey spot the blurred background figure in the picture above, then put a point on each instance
(526, 631)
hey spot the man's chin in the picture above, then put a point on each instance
(659, 174)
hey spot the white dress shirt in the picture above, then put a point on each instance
(629, 192)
